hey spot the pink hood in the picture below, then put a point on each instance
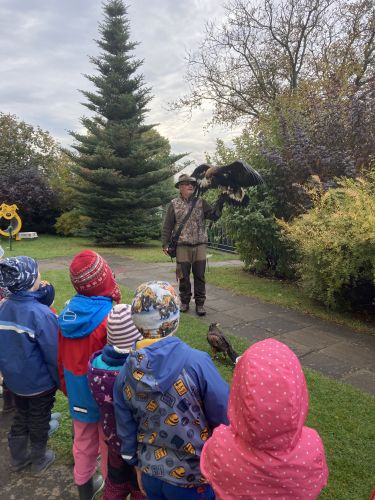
(266, 451)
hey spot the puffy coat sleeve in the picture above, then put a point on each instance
(60, 364)
(126, 426)
(47, 341)
(213, 389)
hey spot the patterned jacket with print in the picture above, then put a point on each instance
(168, 398)
(101, 382)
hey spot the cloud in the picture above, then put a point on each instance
(45, 48)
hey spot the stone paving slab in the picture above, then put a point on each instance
(336, 368)
(357, 356)
(251, 332)
(311, 337)
(222, 318)
(344, 332)
(249, 313)
(214, 293)
(278, 324)
(299, 349)
(362, 379)
(219, 305)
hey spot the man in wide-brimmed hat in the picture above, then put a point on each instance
(192, 242)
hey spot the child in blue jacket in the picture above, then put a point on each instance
(28, 361)
(168, 399)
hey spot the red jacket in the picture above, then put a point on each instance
(74, 354)
(82, 331)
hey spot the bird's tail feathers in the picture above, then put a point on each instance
(232, 354)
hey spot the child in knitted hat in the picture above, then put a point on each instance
(272, 453)
(104, 367)
(82, 331)
(28, 361)
(168, 399)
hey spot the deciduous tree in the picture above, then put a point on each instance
(37, 202)
(265, 49)
(22, 145)
(33, 172)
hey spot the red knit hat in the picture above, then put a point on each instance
(91, 276)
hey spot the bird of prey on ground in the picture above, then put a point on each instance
(219, 342)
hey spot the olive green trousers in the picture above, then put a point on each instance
(191, 258)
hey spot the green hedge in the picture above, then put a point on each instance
(336, 245)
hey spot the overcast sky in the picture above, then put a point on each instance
(44, 51)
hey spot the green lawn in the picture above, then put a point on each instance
(48, 247)
(343, 416)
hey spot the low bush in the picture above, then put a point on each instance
(335, 241)
(259, 239)
(71, 223)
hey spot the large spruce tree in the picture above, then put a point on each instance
(126, 165)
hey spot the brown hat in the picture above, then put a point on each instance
(185, 178)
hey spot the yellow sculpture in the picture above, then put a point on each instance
(9, 212)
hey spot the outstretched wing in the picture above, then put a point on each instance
(232, 179)
(200, 171)
(237, 174)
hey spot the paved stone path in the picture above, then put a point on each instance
(330, 349)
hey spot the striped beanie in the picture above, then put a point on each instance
(91, 276)
(121, 331)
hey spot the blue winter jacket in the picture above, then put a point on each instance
(28, 345)
(168, 398)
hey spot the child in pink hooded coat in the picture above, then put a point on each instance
(266, 451)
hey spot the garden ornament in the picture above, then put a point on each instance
(9, 212)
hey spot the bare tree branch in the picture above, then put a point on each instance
(268, 48)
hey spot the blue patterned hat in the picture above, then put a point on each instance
(155, 309)
(18, 274)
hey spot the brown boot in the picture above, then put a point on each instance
(184, 308)
(200, 310)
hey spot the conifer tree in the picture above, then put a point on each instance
(126, 165)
